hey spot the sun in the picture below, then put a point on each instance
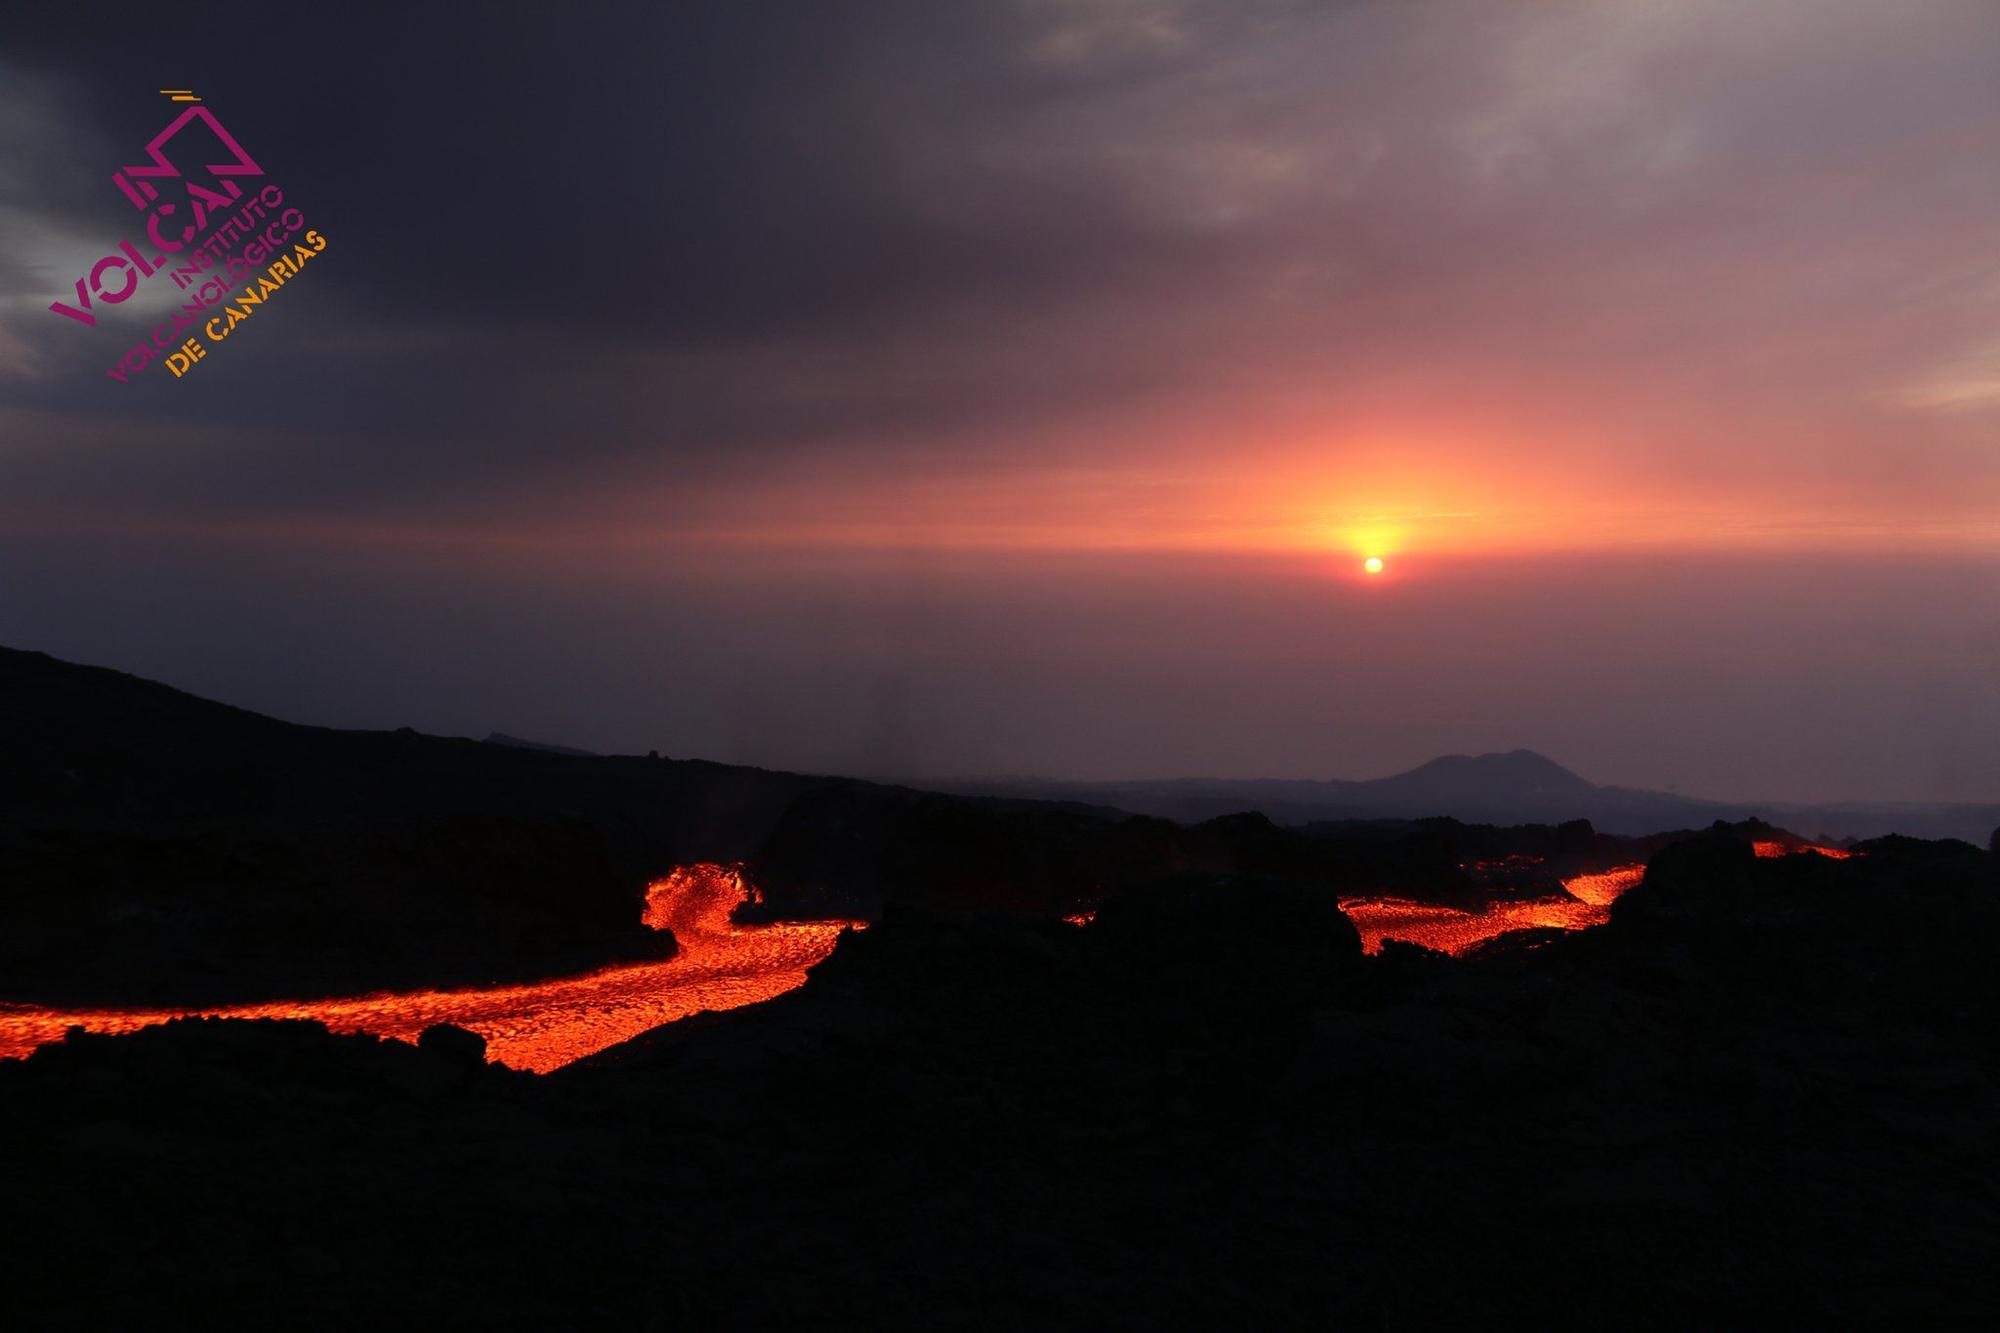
(1373, 564)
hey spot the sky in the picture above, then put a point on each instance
(942, 390)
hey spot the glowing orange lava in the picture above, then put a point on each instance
(1603, 890)
(545, 1024)
(1783, 849)
(1454, 930)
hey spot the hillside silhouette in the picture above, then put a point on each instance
(1517, 787)
(159, 848)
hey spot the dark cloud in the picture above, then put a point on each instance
(617, 267)
(700, 217)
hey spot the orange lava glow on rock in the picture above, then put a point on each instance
(1603, 890)
(1782, 849)
(1454, 930)
(546, 1024)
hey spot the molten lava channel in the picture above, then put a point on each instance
(1453, 930)
(1769, 849)
(1587, 903)
(546, 1024)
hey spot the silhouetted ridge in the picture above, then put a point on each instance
(502, 738)
(156, 848)
(1517, 771)
(1515, 787)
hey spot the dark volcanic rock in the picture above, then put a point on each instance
(1691, 878)
(1227, 940)
(453, 1043)
(847, 850)
(159, 848)
(1762, 1102)
(843, 850)
(246, 912)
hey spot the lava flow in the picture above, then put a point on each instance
(1454, 930)
(1769, 849)
(545, 1024)
(1588, 903)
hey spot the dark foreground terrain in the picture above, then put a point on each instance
(1764, 1095)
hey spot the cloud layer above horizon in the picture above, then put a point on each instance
(1119, 273)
